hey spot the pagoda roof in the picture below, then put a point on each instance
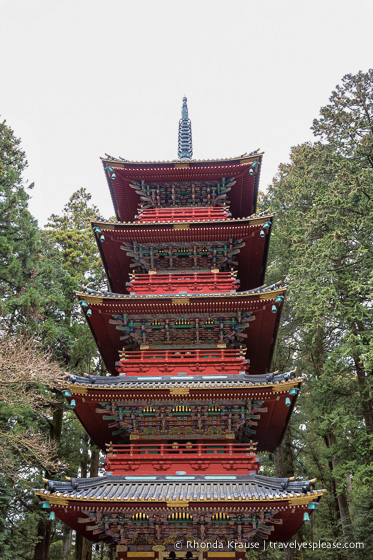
(243, 195)
(270, 389)
(90, 506)
(241, 380)
(187, 488)
(251, 258)
(259, 341)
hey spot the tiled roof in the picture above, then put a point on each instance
(251, 487)
(253, 218)
(273, 288)
(247, 156)
(191, 381)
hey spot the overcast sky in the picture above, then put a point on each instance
(81, 78)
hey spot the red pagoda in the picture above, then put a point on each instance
(187, 335)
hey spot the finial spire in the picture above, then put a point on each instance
(185, 147)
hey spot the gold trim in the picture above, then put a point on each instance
(81, 390)
(140, 554)
(178, 391)
(90, 299)
(221, 555)
(177, 503)
(181, 164)
(248, 159)
(58, 501)
(186, 225)
(180, 300)
(304, 500)
(109, 226)
(286, 385)
(274, 293)
(180, 555)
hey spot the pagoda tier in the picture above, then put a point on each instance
(172, 321)
(182, 362)
(183, 183)
(193, 282)
(164, 247)
(151, 512)
(190, 408)
(191, 458)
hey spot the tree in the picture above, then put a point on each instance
(71, 237)
(26, 375)
(39, 270)
(347, 122)
(72, 234)
(18, 229)
(322, 244)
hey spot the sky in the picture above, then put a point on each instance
(81, 78)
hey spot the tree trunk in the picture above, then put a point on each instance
(95, 461)
(366, 401)
(284, 467)
(279, 463)
(83, 549)
(339, 495)
(289, 454)
(86, 550)
(85, 457)
(66, 541)
(41, 550)
(80, 544)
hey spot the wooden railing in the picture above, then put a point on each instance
(187, 214)
(176, 282)
(215, 355)
(183, 450)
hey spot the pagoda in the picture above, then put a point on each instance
(187, 333)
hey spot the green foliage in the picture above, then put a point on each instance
(346, 123)
(39, 270)
(322, 245)
(73, 236)
(18, 521)
(18, 229)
